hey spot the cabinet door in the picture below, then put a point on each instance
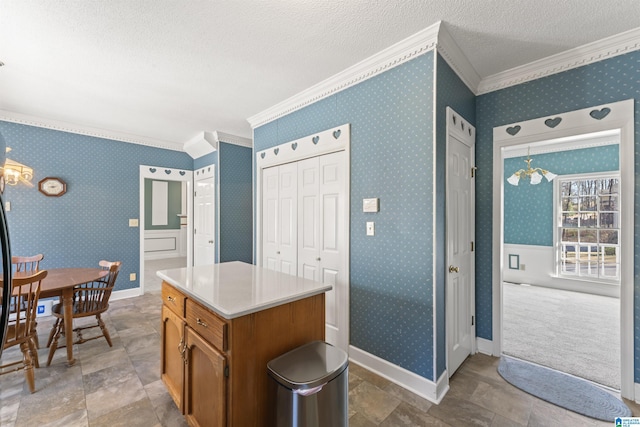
(206, 384)
(171, 362)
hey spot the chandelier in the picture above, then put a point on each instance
(14, 172)
(535, 174)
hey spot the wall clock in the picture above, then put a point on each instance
(52, 187)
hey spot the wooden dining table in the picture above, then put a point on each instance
(60, 283)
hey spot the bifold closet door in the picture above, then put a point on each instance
(321, 232)
(279, 218)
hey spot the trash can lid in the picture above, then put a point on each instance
(308, 366)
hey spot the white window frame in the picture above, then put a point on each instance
(557, 226)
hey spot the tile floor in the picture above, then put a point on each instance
(120, 386)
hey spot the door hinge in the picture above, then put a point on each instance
(473, 171)
(471, 246)
(472, 320)
(226, 371)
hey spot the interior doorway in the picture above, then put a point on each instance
(617, 118)
(161, 174)
(302, 224)
(561, 283)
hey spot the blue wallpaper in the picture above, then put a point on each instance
(528, 209)
(391, 276)
(91, 221)
(611, 80)
(450, 92)
(236, 209)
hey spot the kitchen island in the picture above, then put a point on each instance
(221, 325)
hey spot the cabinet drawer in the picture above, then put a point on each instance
(174, 299)
(210, 327)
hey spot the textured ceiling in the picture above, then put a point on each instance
(166, 70)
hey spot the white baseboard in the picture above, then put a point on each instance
(484, 346)
(126, 293)
(433, 392)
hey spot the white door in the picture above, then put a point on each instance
(460, 274)
(280, 218)
(270, 221)
(204, 222)
(288, 218)
(322, 236)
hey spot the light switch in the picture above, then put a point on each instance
(132, 277)
(7, 206)
(371, 228)
(133, 222)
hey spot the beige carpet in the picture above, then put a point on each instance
(568, 331)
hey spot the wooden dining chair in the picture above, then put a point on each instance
(89, 299)
(27, 263)
(21, 328)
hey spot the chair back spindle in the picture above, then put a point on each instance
(27, 263)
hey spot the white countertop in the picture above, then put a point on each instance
(234, 289)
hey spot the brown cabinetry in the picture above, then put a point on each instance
(205, 385)
(172, 363)
(222, 379)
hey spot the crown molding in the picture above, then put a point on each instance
(609, 47)
(200, 145)
(399, 53)
(451, 52)
(233, 139)
(59, 125)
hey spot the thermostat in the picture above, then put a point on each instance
(371, 205)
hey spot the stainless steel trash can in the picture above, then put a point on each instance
(312, 386)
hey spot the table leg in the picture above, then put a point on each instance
(67, 305)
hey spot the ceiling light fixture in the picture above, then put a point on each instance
(531, 173)
(14, 172)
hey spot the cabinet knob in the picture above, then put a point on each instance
(201, 323)
(278, 252)
(170, 298)
(211, 241)
(318, 259)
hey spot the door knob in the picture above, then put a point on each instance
(211, 241)
(453, 269)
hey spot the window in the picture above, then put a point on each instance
(588, 226)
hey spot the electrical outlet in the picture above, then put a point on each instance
(521, 266)
(132, 277)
